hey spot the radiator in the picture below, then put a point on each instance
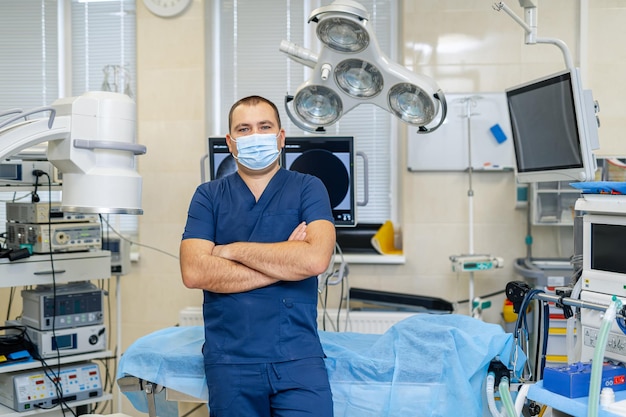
(190, 316)
(376, 322)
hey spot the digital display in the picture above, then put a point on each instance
(554, 129)
(64, 342)
(607, 247)
(543, 119)
(10, 171)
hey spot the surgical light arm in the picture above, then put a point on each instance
(91, 140)
(530, 27)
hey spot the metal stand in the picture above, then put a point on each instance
(471, 262)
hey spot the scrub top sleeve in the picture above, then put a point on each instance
(315, 201)
(200, 217)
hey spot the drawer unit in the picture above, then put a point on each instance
(66, 267)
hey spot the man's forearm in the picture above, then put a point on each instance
(288, 261)
(202, 270)
(235, 277)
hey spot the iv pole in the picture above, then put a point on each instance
(471, 262)
(469, 103)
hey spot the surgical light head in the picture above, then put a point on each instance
(351, 70)
(91, 140)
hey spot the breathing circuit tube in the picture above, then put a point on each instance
(490, 392)
(505, 395)
(509, 408)
(598, 356)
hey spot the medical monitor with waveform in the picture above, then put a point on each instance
(331, 159)
(554, 128)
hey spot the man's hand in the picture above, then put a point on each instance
(299, 233)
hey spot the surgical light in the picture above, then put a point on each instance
(358, 78)
(409, 103)
(342, 35)
(351, 70)
(319, 105)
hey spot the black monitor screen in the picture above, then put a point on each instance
(331, 159)
(543, 117)
(607, 247)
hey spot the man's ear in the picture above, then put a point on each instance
(281, 139)
(230, 143)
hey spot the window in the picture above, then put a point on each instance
(246, 60)
(36, 68)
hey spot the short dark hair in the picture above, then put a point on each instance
(252, 101)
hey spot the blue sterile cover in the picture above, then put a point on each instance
(600, 187)
(426, 365)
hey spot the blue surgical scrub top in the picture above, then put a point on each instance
(278, 322)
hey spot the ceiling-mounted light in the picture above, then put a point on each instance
(410, 103)
(351, 70)
(318, 105)
(342, 35)
(358, 78)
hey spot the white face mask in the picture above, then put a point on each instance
(257, 151)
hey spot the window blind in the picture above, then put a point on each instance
(102, 37)
(28, 41)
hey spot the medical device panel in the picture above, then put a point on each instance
(63, 342)
(18, 171)
(70, 305)
(554, 128)
(331, 159)
(591, 321)
(35, 389)
(57, 237)
(44, 212)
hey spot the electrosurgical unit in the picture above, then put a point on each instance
(67, 306)
(33, 389)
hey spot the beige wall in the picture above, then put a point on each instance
(474, 49)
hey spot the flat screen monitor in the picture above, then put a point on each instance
(330, 158)
(604, 264)
(554, 129)
(221, 162)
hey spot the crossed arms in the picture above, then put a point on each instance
(244, 266)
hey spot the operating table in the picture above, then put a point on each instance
(425, 365)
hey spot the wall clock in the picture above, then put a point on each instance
(167, 8)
